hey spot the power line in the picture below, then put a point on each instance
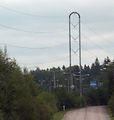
(38, 64)
(99, 35)
(93, 42)
(21, 30)
(98, 46)
(24, 47)
(91, 53)
(28, 31)
(96, 33)
(25, 13)
(16, 11)
(50, 61)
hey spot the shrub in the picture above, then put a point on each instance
(111, 104)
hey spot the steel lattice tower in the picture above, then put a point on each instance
(77, 25)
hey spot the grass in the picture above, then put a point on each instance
(110, 114)
(58, 115)
(112, 118)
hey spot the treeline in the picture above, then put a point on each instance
(45, 78)
(92, 95)
(101, 94)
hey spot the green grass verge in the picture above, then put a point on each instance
(58, 115)
(112, 118)
(110, 114)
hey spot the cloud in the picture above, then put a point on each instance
(51, 16)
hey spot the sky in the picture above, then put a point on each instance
(36, 31)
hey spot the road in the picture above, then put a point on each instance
(88, 113)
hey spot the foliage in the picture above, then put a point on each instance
(58, 115)
(110, 86)
(69, 100)
(101, 73)
(48, 100)
(19, 94)
(21, 98)
(97, 96)
(111, 105)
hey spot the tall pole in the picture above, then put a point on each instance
(69, 53)
(71, 81)
(54, 80)
(80, 56)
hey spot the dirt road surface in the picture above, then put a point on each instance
(88, 113)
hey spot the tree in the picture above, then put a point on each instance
(18, 93)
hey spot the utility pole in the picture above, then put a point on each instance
(80, 56)
(54, 79)
(70, 36)
(70, 80)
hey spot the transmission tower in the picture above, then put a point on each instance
(74, 34)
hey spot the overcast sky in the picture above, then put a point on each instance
(36, 31)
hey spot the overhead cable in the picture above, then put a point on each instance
(22, 30)
(24, 47)
(25, 13)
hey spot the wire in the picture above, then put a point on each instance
(38, 64)
(96, 33)
(17, 29)
(93, 42)
(91, 53)
(25, 13)
(23, 47)
(28, 31)
(16, 11)
(51, 61)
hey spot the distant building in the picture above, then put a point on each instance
(93, 84)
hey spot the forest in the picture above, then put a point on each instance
(38, 94)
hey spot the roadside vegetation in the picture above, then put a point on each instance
(31, 95)
(20, 97)
(58, 115)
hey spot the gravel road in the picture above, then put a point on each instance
(88, 113)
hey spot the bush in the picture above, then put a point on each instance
(70, 100)
(18, 94)
(97, 96)
(47, 100)
(80, 101)
(111, 104)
